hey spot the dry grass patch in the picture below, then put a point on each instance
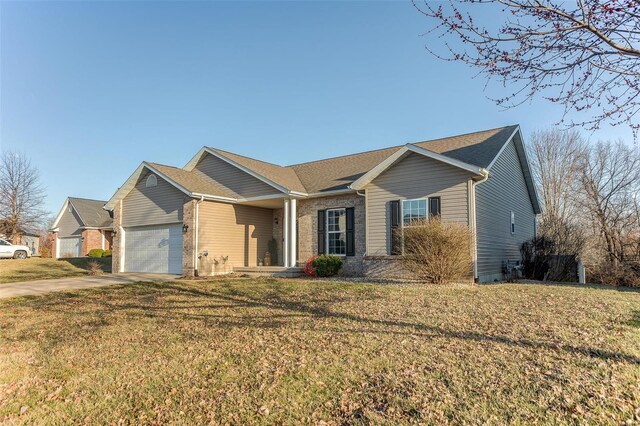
(290, 352)
(36, 268)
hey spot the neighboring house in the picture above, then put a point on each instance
(29, 239)
(32, 241)
(219, 212)
(80, 226)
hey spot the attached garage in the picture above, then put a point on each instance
(70, 247)
(155, 249)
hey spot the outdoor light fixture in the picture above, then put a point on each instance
(275, 220)
(185, 228)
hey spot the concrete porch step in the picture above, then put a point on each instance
(270, 271)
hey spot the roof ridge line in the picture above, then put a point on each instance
(86, 199)
(398, 146)
(247, 157)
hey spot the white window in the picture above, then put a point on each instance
(513, 223)
(414, 211)
(152, 180)
(337, 232)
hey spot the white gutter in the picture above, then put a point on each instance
(195, 254)
(211, 197)
(473, 211)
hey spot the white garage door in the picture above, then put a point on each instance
(70, 247)
(155, 249)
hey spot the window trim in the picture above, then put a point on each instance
(153, 183)
(427, 217)
(327, 232)
(512, 225)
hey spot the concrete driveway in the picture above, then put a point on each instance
(27, 288)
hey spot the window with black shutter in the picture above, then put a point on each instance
(395, 230)
(434, 207)
(321, 232)
(351, 241)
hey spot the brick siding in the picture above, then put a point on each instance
(308, 228)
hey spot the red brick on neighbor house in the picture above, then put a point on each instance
(91, 239)
(53, 238)
(108, 239)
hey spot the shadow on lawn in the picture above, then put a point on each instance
(576, 285)
(228, 297)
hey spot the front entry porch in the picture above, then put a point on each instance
(236, 237)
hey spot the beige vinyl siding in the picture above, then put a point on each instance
(152, 206)
(503, 192)
(240, 232)
(69, 224)
(415, 176)
(233, 178)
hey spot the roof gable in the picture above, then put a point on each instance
(403, 152)
(89, 212)
(475, 149)
(525, 167)
(279, 177)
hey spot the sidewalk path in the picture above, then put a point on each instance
(26, 288)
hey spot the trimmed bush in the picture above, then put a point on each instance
(326, 265)
(438, 252)
(107, 253)
(95, 253)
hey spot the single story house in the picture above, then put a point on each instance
(223, 211)
(81, 225)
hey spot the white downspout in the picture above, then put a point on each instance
(195, 254)
(474, 214)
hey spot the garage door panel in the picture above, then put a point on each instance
(70, 247)
(156, 249)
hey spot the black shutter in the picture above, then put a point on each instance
(351, 227)
(394, 222)
(321, 232)
(434, 206)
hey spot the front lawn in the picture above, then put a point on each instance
(36, 268)
(288, 352)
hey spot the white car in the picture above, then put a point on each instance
(8, 250)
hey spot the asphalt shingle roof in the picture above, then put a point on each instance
(194, 181)
(91, 212)
(479, 149)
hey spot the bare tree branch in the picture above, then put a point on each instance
(583, 55)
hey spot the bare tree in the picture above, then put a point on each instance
(610, 184)
(21, 195)
(556, 156)
(584, 55)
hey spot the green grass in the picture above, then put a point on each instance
(36, 268)
(305, 352)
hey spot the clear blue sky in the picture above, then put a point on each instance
(89, 90)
